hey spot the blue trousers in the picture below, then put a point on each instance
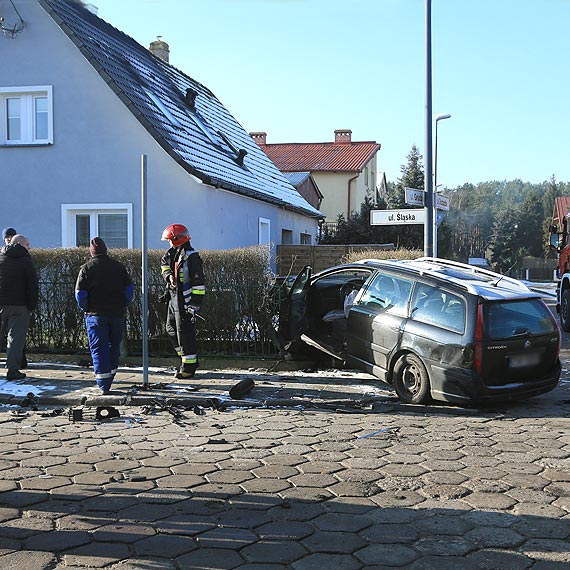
(105, 335)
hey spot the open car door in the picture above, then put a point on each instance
(293, 318)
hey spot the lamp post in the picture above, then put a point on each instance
(440, 117)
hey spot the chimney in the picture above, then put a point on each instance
(160, 49)
(259, 138)
(342, 136)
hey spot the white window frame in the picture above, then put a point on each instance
(27, 95)
(264, 231)
(69, 211)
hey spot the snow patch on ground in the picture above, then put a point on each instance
(19, 389)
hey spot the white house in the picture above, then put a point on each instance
(80, 102)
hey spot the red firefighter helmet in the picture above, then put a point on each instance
(176, 233)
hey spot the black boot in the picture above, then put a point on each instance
(186, 371)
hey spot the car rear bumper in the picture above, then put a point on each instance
(467, 388)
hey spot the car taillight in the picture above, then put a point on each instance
(479, 341)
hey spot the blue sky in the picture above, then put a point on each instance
(299, 69)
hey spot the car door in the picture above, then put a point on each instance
(376, 321)
(293, 318)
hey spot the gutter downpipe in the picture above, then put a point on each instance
(348, 193)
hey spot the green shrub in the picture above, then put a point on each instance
(239, 308)
(379, 254)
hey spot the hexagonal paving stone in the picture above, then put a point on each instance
(210, 558)
(91, 458)
(179, 481)
(58, 540)
(164, 496)
(21, 528)
(116, 465)
(328, 561)
(444, 545)
(490, 501)
(92, 478)
(275, 472)
(241, 518)
(284, 530)
(265, 486)
(320, 467)
(313, 480)
(97, 555)
(229, 538)
(185, 525)
(162, 544)
(547, 550)
(44, 483)
(341, 522)
(489, 558)
(28, 560)
(274, 552)
(401, 470)
(386, 554)
(397, 499)
(75, 492)
(333, 542)
(446, 492)
(441, 524)
(390, 533)
(231, 477)
(121, 532)
(193, 469)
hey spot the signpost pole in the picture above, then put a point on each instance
(144, 275)
(428, 184)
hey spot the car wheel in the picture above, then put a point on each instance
(565, 311)
(411, 380)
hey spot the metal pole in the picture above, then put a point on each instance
(435, 193)
(441, 117)
(428, 226)
(144, 275)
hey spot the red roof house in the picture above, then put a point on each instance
(345, 171)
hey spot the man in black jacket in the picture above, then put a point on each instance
(18, 297)
(103, 291)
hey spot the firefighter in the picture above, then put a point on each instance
(181, 268)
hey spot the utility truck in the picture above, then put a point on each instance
(560, 242)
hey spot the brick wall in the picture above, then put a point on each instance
(292, 258)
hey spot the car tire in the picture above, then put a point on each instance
(411, 380)
(565, 311)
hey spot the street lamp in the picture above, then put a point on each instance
(440, 117)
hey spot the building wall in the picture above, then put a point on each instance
(95, 157)
(334, 186)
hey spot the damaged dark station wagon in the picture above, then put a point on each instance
(431, 328)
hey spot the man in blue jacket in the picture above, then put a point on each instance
(103, 291)
(18, 297)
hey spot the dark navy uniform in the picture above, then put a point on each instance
(187, 291)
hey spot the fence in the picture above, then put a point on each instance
(238, 321)
(292, 258)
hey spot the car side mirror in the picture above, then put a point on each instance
(554, 241)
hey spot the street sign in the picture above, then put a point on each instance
(442, 202)
(397, 217)
(414, 197)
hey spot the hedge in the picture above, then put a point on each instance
(240, 305)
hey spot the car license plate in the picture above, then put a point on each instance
(521, 360)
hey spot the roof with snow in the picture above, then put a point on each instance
(184, 116)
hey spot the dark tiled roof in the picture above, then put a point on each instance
(331, 157)
(205, 141)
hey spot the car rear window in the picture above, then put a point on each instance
(507, 319)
